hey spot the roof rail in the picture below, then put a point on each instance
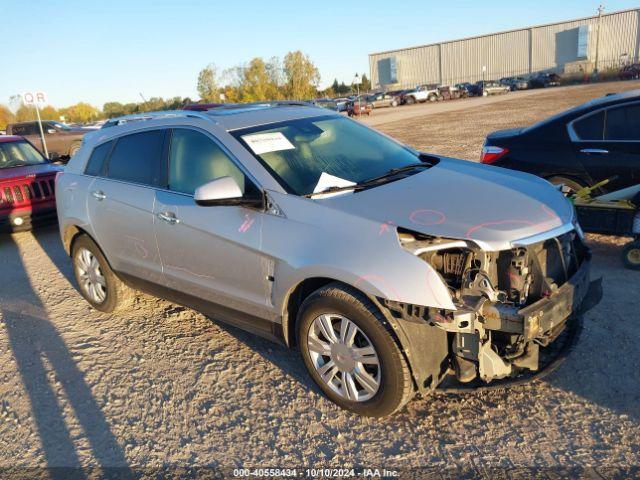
(141, 117)
(265, 104)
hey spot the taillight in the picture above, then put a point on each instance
(491, 153)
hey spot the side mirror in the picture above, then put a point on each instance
(224, 191)
(54, 157)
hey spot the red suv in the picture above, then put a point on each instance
(27, 185)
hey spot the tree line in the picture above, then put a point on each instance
(295, 77)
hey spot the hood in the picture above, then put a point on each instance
(45, 169)
(463, 200)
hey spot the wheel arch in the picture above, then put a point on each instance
(423, 374)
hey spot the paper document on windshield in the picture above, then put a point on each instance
(267, 142)
(327, 181)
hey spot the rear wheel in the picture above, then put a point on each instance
(410, 100)
(569, 186)
(631, 255)
(98, 284)
(432, 98)
(350, 354)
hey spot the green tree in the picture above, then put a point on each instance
(302, 76)
(208, 83)
(25, 113)
(113, 109)
(6, 117)
(49, 113)
(80, 113)
(366, 83)
(257, 84)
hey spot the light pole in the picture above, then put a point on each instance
(600, 10)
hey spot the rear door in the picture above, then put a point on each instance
(607, 143)
(121, 200)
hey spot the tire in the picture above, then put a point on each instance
(74, 149)
(432, 98)
(485, 93)
(377, 390)
(394, 103)
(571, 186)
(631, 255)
(410, 100)
(110, 294)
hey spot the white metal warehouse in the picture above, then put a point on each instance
(570, 47)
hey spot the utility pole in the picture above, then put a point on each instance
(600, 10)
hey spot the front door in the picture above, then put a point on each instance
(212, 252)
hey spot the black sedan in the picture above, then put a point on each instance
(577, 148)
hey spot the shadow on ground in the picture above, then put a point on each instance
(45, 363)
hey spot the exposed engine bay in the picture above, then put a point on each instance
(509, 304)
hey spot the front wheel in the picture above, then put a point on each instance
(350, 353)
(410, 100)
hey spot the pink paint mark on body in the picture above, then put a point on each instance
(246, 225)
(384, 227)
(427, 217)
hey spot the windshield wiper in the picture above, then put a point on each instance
(371, 181)
(395, 171)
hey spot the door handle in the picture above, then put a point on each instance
(168, 217)
(594, 151)
(98, 195)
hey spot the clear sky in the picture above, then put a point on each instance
(98, 51)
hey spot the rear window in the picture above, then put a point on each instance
(96, 161)
(136, 158)
(591, 127)
(623, 123)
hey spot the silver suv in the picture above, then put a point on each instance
(392, 271)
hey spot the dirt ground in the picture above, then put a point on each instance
(164, 386)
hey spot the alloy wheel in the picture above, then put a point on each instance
(90, 276)
(344, 357)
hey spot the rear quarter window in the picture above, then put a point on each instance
(591, 127)
(95, 165)
(136, 158)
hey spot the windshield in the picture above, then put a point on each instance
(298, 152)
(19, 154)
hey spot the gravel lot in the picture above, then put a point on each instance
(163, 385)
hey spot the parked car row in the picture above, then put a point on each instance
(630, 72)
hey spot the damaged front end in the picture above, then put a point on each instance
(510, 305)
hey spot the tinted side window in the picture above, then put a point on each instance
(96, 160)
(623, 123)
(137, 157)
(195, 159)
(18, 130)
(591, 127)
